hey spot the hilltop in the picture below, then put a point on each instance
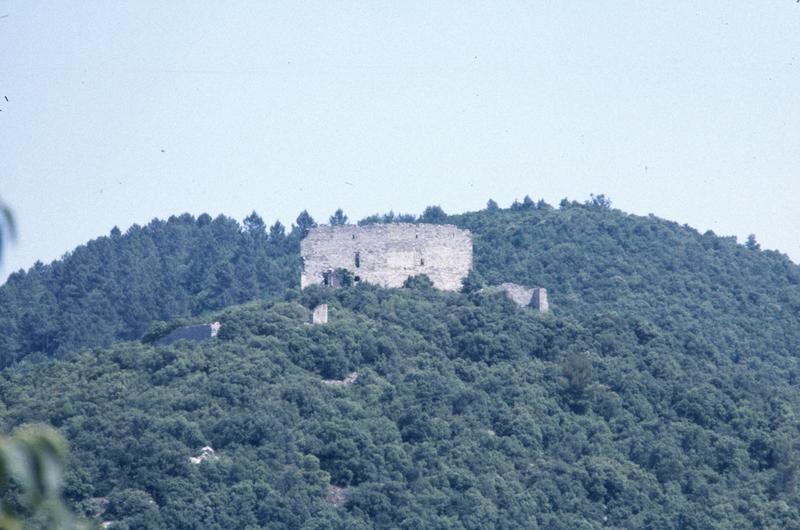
(590, 257)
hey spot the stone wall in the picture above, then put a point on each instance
(519, 294)
(197, 332)
(320, 314)
(539, 300)
(535, 297)
(387, 254)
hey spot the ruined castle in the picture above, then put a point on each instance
(387, 254)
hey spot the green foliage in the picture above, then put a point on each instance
(659, 392)
(473, 283)
(390, 217)
(433, 214)
(254, 225)
(305, 223)
(114, 287)
(343, 278)
(420, 281)
(599, 201)
(159, 328)
(31, 464)
(133, 508)
(579, 376)
(338, 218)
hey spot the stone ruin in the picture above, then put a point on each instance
(539, 300)
(320, 314)
(335, 495)
(347, 381)
(387, 254)
(206, 453)
(534, 297)
(194, 333)
(518, 294)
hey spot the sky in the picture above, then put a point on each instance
(121, 112)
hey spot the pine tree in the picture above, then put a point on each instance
(338, 218)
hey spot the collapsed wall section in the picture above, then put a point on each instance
(535, 297)
(387, 254)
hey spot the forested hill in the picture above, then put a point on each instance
(590, 257)
(724, 299)
(467, 412)
(660, 391)
(113, 287)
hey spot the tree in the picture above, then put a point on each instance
(473, 283)
(420, 281)
(752, 244)
(338, 218)
(433, 214)
(405, 218)
(342, 278)
(492, 205)
(305, 223)
(579, 374)
(599, 201)
(136, 508)
(277, 232)
(254, 225)
(528, 203)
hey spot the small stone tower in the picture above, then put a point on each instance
(533, 297)
(320, 314)
(519, 294)
(539, 300)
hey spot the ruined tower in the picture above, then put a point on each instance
(539, 300)
(387, 254)
(535, 297)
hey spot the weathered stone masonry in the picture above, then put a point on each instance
(388, 254)
(535, 297)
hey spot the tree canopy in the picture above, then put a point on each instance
(659, 392)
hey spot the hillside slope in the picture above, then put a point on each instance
(113, 287)
(467, 412)
(660, 392)
(727, 301)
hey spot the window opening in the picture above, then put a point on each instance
(358, 259)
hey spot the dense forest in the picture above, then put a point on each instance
(659, 392)
(115, 286)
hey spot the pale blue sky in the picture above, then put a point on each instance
(688, 110)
